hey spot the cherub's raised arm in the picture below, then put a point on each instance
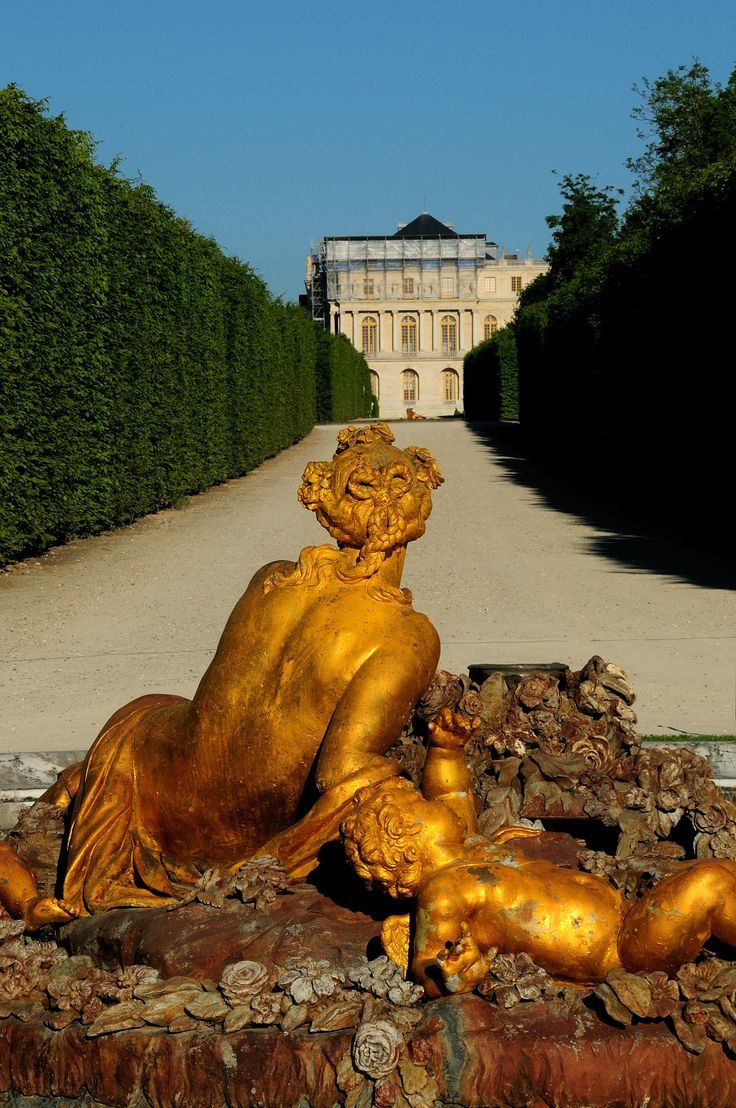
(446, 776)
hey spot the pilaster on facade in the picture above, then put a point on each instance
(415, 303)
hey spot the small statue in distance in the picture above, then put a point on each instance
(318, 669)
(477, 897)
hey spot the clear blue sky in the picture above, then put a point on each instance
(270, 123)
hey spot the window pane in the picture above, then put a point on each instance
(408, 335)
(450, 384)
(448, 333)
(369, 335)
(410, 383)
(490, 326)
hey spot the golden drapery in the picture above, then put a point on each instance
(112, 860)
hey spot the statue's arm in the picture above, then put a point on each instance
(367, 720)
(372, 712)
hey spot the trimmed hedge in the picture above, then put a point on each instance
(138, 362)
(343, 379)
(490, 378)
(625, 369)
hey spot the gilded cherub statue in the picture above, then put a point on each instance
(476, 897)
(316, 673)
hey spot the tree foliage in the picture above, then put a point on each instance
(139, 363)
(588, 222)
(622, 363)
(688, 123)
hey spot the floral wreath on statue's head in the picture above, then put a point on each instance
(372, 497)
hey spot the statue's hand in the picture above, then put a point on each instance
(451, 730)
(462, 963)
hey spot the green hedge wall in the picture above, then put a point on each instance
(490, 378)
(138, 363)
(343, 379)
(625, 370)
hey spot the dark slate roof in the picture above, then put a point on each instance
(425, 226)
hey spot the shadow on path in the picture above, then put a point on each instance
(628, 534)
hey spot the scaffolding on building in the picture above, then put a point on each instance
(332, 256)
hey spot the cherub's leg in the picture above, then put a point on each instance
(670, 924)
(20, 895)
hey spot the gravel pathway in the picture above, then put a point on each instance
(503, 577)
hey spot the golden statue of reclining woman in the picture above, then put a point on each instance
(476, 898)
(317, 671)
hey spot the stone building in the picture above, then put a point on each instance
(415, 302)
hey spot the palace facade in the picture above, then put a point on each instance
(414, 303)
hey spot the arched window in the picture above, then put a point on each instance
(369, 332)
(410, 385)
(490, 326)
(375, 384)
(408, 334)
(448, 330)
(450, 384)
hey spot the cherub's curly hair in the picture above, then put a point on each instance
(372, 489)
(380, 836)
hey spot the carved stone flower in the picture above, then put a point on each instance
(18, 982)
(121, 984)
(267, 1008)
(720, 845)
(307, 980)
(74, 994)
(211, 889)
(665, 995)
(513, 978)
(11, 929)
(377, 1048)
(712, 814)
(444, 691)
(541, 690)
(706, 980)
(377, 977)
(405, 993)
(595, 751)
(242, 980)
(260, 880)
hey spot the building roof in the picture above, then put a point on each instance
(425, 226)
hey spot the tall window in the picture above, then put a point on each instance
(448, 331)
(516, 284)
(369, 333)
(368, 288)
(490, 326)
(408, 334)
(410, 385)
(489, 284)
(450, 384)
(375, 384)
(408, 286)
(448, 286)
